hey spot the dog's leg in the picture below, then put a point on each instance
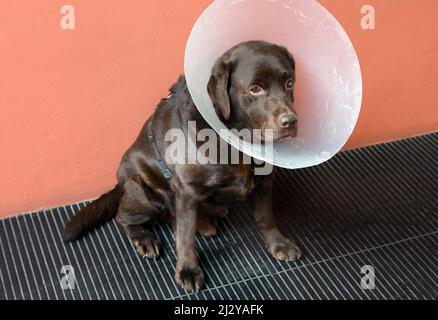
(278, 245)
(134, 211)
(206, 224)
(214, 210)
(189, 274)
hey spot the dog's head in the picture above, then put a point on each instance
(252, 86)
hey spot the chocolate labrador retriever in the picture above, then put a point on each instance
(252, 87)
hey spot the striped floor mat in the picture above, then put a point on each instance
(367, 222)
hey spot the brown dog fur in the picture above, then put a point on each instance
(197, 193)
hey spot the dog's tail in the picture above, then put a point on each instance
(93, 215)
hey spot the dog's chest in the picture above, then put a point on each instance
(236, 186)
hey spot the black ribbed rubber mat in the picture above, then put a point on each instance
(375, 206)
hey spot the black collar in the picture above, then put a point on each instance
(165, 171)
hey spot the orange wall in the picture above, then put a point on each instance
(72, 101)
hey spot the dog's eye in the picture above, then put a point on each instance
(290, 84)
(256, 90)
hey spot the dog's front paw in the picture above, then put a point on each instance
(190, 279)
(285, 249)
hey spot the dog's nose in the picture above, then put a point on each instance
(287, 120)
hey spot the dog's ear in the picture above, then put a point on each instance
(289, 55)
(218, 87)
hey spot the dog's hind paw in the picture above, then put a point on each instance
(206, 225)
(148, 247)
